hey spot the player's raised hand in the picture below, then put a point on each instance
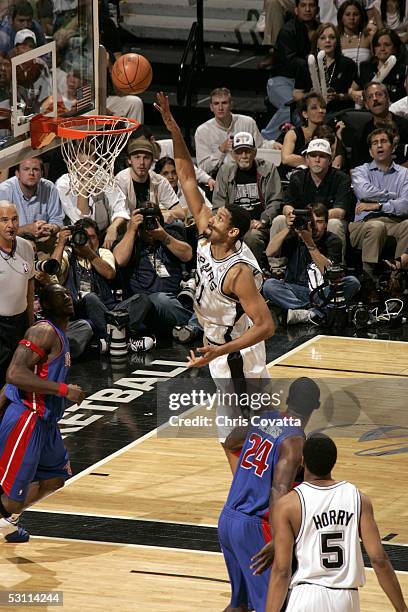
(208, 354)
(163, 106)
(263, 559)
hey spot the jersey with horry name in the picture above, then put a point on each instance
(221, 316)
(328, 547)
(251, 487)
(56, 370)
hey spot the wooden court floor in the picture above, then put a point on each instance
(170, 482)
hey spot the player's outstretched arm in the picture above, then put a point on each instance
(379, 559)
(40, 341)
(184, 166)
(282, 565)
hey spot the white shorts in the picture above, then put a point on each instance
(314, 598)
(247, 365)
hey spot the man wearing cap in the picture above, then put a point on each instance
(253, 184)
(140, 184)
(319, 182)
(213, 139)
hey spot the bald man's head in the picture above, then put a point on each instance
(8, 222)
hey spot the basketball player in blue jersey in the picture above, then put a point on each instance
(33, 459)
(268, 466)
(324, 520)
(228, 302)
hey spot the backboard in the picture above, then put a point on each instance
(49, 63)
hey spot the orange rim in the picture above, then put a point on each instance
(65, 127)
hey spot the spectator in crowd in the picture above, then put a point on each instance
(152, 262)
(385, 43)
(141, 184)
(164, 148)
(117, 103)
(109, 210)
(340, 71)
(400, 107)
(381, 189)
(36, 198)
(378, 104)
(355, 32)
(312, 112)
(319, 182)
(325, 132)
(394, 15)
(16, 285)
(312, 245)
(253, 184)
(292, 49)
(87, 271)
(21, 18)
(274, 18)
(213, 139)
(166, 167)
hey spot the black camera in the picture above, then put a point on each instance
(302, 219)
(49, 266)
(334, 274)
(151, 215)
(79, 237)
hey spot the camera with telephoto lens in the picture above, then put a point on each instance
(302, 219)
(78, 237)
(151, 216)
(49, 266)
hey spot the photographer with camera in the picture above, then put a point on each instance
(151, 257)
(308, 246)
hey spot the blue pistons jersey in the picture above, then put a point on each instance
(46, 406)
(251, 487)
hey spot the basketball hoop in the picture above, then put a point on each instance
(89, 144)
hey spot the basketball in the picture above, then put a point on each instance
(132, 73)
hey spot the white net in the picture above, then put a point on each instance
(90, 160)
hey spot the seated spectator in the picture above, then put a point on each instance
(378, 104)
(87, 271)
(152, 261)
(38, 204)
(319, 182)
(312, 112)
(381, 189)
(400, 107)
(292, 49)
(314, 245)
(385, 43)
(109, 210)
(213, 139)
(253, 184)
(140, 184)
(164, 148)
(338, 151)
(166, 167)
(355, 32)
(394, 15)
(340, 71)
(21, 18)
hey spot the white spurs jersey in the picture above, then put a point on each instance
(328, 546)
(222, 318)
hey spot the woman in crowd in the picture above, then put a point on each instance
(385, 43)
(166, 167)
(340, 71)
(394, 16)
(355, 33)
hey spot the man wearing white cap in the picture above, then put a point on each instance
(253, 184)
(319, 182)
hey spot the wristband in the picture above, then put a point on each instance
(63, 390)
(312, 248)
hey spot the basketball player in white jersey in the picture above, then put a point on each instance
(323, 518)
(229, 305)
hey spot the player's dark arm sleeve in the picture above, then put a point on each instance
(290, 458)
